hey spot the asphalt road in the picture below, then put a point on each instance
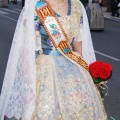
(106, 44)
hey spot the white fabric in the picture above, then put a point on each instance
(87, 45)
(38, 41)
(18, 98)
(21, 67)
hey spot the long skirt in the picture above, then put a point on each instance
(97, 17)
(65, 91)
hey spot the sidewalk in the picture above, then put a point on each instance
(11, 5)
(108, 15)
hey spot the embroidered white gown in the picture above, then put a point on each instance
(64, 90)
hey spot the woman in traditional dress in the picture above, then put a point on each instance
(96, 16)
(55, 86)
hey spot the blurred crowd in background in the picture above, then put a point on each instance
(93, 9)
(95, 12)
(15, 2)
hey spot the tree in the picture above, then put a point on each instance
(4, 3)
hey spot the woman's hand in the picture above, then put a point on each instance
(98, 85)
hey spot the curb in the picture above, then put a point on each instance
(112, 19)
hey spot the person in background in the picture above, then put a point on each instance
(117, 8)
(96, 16)
(113, 7)
(84, 2)
(23, 3)
(14, 1)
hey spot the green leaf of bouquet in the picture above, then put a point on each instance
(97, 80)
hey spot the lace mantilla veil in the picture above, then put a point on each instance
(19, 87)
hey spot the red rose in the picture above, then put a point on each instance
(105, 73)
(95, 74)
(100, 70)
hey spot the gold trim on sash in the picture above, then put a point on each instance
(46, 11)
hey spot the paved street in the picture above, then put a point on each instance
(106, 44)
(107, 49)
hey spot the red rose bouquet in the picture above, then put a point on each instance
(100, 72)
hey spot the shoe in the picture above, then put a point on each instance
(117, 15)
(113, 15)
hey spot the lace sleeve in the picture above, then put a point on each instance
(37, 35)
(78, 38)
(37, 32)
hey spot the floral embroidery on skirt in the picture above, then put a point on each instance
(65, 91)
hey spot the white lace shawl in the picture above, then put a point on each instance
(87, 45)
(19, 87)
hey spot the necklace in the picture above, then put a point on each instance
(59, 7)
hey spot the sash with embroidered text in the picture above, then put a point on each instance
(56, 33)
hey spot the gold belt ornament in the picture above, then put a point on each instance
(56, 32)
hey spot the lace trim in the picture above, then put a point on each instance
(71, 24)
